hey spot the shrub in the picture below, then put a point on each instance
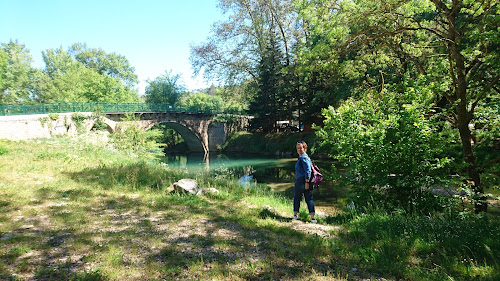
(78, 120)
(135, 140)
(393, 153)
(204, 103)
(3, 150)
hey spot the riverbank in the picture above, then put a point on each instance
(77, 209)
(272, 144)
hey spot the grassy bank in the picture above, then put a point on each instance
(270, 144)
(75, 209)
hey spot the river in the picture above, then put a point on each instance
(278, 173)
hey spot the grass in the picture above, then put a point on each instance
(73, 209)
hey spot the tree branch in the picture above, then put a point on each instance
(483, 93)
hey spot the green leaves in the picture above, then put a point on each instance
(15, 72)
(78, 75)
(391, 149)
(204, 103)
(66, 79)
(166, 89)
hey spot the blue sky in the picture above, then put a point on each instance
(154, 35)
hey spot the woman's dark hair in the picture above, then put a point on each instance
(304, 144)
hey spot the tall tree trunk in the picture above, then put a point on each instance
(470, 159)
(464, 116)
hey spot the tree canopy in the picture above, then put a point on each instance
(166, 88)
(16, 72)
(305, 55)
(80, 74)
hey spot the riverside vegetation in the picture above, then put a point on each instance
(79, 209)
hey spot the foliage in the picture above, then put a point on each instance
(53, 116)
(3, 150)
(98, 119)
(79, 119)
(80, 74)
(135, 140)
(433, 247)
(49, 121)
(233, 52)
(65, 79)
(168, 137)
(166, 88)
(237, 97)
(374, 43)
(112, 65)
(392, 152)
(252, 48)
(203, 103)
(268, 105)
(16, 72)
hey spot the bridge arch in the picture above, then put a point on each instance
(193, 141)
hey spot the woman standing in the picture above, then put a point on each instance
(303, 171)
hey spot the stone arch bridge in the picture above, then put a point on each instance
(202, 132)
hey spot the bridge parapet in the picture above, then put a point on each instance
(45, 108)
(203, 132)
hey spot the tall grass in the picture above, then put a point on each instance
(77, 209)
(444, 246)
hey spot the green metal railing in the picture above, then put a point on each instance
(44, 108)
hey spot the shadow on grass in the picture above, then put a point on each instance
(44, 255)
(181, 236)
(269, 213)
(436, 247)
(236, 246)
(136, 175)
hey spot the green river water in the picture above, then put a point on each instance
(278, 173)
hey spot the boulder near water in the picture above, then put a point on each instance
(190, 186)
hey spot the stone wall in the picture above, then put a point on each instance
(21, 127)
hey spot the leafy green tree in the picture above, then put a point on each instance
(236, 47)
(66, 80)
(166, 88)
(450, 42)
(112, 65)
(17, 73)
(393, 153)
(237, 97)
(239, 50)
(201, 102)
(4, 62)
(267, 105)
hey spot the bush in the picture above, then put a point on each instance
(3, 150)
(393, 153)
(135, 140)
(204, 103)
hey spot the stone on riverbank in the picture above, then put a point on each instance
(190, 186)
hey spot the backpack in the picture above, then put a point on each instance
(316, 176)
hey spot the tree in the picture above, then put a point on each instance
(267, 106)
(112, 65)
(201, 102)
(239, 49)
(166, 88)
(4, 62)
(66, 80)
(16, 72)
(392, 152)
(236, 47)
(452, 43)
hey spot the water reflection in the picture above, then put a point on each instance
(262, 169)
(278, 173)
